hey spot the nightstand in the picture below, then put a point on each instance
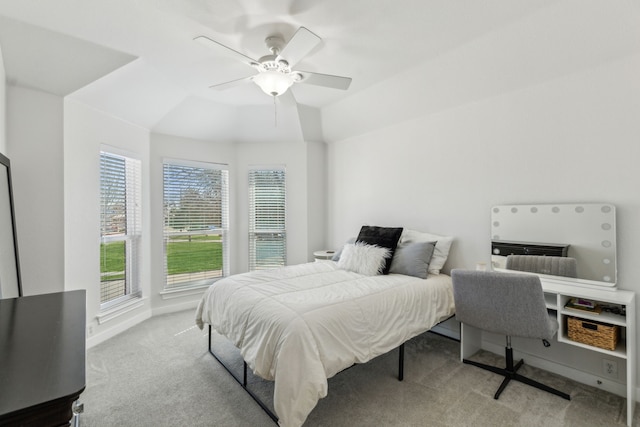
(325, 255)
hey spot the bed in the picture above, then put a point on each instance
(300, 325)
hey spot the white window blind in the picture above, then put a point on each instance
(195, 223)
(120, 228)
(267, 218)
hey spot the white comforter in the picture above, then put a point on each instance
(302, 324)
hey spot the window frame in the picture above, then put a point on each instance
(222, 231)
(253, 232)
(132, 236)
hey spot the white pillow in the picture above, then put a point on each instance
(336, 256)
(441, 252)
(362, 258)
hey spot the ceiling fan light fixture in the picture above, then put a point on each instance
(273, 83)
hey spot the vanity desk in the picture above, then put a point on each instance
(591, 312)
(557, 295)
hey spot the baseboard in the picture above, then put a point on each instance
(120, 327)
(107, 333)
(176, 307)
(449, 328)
(566, 371)
(447, 332)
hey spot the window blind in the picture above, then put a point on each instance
(120, 228)
(267, 218)
(195, 223)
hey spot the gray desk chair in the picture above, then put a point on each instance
(510, 304)
(554, 265)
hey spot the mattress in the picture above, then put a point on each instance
(300, 325)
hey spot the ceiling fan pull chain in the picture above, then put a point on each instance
(275, 112)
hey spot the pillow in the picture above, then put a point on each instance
(441, 252)
(412, 259)
(362, 258)
(381, 236)
(336, 256)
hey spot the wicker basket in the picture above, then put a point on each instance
(593, 333)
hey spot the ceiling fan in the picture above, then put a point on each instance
(274, 71)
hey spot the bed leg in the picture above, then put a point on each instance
(401, 363)
(243, 383)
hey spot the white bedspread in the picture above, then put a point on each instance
(302, 324)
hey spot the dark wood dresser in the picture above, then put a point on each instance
(42, 358)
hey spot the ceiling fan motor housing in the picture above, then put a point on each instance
(274, 71)
(274, 43)
(269, 63)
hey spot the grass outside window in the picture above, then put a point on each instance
(194, 254)
(185, 254)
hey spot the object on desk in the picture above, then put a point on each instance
(583, 306)
(597, 334)
(620, 310)
(583, 302)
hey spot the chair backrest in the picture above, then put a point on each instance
(506, 303)
(543, 264)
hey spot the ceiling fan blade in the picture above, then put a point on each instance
(327, 80)
(225, 50)
(288, 99)
(232, 83)
(302, 42)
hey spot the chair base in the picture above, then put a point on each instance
(510, 373)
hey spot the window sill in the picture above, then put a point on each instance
(119, 310)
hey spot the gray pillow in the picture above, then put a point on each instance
(412, 259)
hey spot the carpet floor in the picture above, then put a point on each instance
(159, 373)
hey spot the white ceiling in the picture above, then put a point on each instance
(136, 59)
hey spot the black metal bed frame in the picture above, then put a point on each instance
(265, 408)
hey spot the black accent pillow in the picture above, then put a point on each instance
(386, 237)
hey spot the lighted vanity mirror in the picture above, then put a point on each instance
(584, 232)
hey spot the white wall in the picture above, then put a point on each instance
(294, 156)
(55, 146)
(35, 145)
(3, 106)
(317, 196)
(571, 136)
(85, 130)
(306, 172)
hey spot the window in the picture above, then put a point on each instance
(120, 228)
(267, 218)
(195, 223)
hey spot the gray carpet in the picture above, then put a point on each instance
(159, 373)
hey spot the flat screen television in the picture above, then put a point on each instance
(10, 285)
